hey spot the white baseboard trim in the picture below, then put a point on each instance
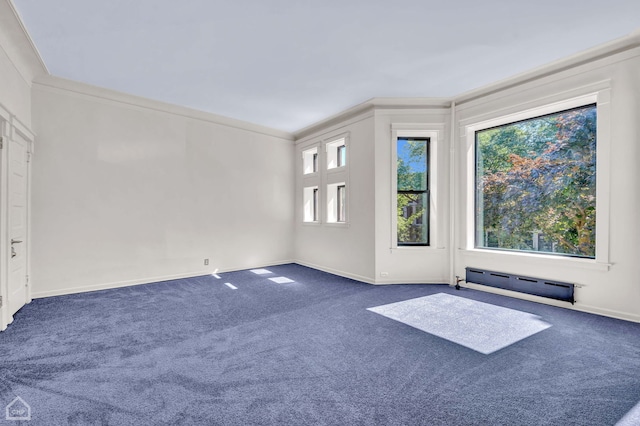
(392, 282)
(362, 278)
(116, 284)
(546, 301)
(147, 280)
(255, 266)
(344, 274)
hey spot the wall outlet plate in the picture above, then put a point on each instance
(206, 262)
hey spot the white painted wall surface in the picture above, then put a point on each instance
(19, 64)
(15, 92)
(344, 249)
(614, 292)
(412, 264)
(128, 191)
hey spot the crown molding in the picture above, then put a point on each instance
(75, 88)
(20, 48)
(375, 104)
(600, 52)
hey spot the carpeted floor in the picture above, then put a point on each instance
(198, 351)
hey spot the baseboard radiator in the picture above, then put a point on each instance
(536, 286)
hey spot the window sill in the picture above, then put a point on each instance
(541, 259)
(337, 169)
(407, 249)
(338, 224)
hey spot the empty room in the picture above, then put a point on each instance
(319, 213)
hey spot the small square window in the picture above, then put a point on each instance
(310, 161)
(310, 204)
(337, 203)
(336, 154)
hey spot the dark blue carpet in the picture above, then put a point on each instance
(194, 351)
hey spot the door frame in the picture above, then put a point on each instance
(9, 127)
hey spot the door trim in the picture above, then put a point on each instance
(10, 126)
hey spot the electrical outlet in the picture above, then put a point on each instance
(206, 262)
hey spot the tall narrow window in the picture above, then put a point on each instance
(342, 198)
(413, 191)
(536, 184)
(314, 160)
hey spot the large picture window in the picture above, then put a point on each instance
(413, 191)
(536, 184)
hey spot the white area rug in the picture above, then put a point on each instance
(479, 326)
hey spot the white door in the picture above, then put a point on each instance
(17, 199)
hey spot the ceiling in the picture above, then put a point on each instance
(287, 64)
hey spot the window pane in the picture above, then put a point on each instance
(413, 221)
(342, 203)
(412, 164)
(315, 204)
(536, 184)
(342, 155)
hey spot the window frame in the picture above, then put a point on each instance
(477, 197)
(432, 132)
(426, 192)
(598, 94)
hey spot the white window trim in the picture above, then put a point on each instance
(602, 99)
(415, 131)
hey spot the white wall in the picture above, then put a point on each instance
(610, 290)
(362, 249)
(127, 190)
(344, 249)
(412, 264)
(19, 64)
(607, 286)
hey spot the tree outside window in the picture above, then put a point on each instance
(413, 191)
(536, 184)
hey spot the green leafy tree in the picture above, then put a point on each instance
(412, 175)
(538, 176)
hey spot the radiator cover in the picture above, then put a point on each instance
(536, 286)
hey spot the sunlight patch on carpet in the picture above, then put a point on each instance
(632, 418)
(261, 271)
(281, 280)
(483, 327)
